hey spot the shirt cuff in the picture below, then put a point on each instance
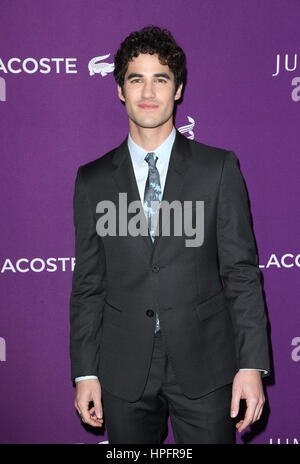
(86, 377)
(252, 369)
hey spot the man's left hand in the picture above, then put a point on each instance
(247, 385)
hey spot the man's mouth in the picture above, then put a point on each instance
(148, 106)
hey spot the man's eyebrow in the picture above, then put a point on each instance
(162, 75)
(132, 75)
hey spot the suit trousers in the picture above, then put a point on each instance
(204, 420)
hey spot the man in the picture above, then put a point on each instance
(160, 328)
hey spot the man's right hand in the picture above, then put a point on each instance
(87, 391)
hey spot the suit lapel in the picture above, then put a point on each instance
(179, 163)
(123, 174)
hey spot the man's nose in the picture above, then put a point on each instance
(148, 90)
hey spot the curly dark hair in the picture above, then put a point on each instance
(152, 40)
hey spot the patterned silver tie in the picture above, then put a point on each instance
(152, 194)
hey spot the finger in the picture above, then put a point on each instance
(251, 406)
(257, 411)
(260, 410)
(260, 413)
(259, 407)
(79, 412)
(93, 415)
(85, 415)
(80, 415)
(98, 407)
(92, 411)
(239, 425)
(255, 414)
(235, 402)
(77, 407)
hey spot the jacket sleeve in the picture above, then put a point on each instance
(238, 263)
(88, 287)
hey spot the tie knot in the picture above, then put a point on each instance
(151, 159)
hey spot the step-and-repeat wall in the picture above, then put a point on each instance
(59, 109)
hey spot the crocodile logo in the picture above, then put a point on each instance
(96, 66)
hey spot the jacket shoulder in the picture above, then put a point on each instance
(209, 155)
(98, 168)
(100, 164)
(208, 150)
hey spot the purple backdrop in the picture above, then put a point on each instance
(56, 116)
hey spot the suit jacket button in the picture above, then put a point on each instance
(150, 313)
(155, 268)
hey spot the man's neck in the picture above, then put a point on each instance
(150, 138)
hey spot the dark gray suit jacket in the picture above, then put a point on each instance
(209, 298)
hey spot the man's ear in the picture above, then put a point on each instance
(120, 94)
(178, 92)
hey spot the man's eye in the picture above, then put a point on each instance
(135, 80)
(163, 81)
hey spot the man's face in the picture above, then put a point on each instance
(149, 91)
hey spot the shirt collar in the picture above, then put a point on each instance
(163, 152)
